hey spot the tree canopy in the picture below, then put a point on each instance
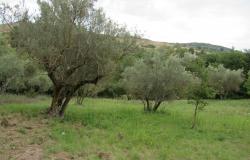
(247, 84)
(74, 43)
(225, 81)
(155, 79)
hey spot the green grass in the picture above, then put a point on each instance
(122, 130)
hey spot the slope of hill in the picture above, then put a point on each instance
(153, 44)
(199, 46)
(4, 28)
(205, 46)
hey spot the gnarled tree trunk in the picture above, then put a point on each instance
(63, 94)
(60, 100)
(151, 106)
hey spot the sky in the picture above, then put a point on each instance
(220, 22)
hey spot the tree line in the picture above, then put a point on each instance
(72, 49)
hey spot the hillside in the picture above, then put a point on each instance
(153, 44)
(4, 28)
(205, 46)
(199, 46)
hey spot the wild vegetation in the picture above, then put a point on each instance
(156, 79)
(120, 129)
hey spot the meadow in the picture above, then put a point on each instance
(121, 130)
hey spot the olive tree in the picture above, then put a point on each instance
(196, 98)
(199, 90)
(155, 79)
(247, 84)
(213, 81)
(11, 67)
(224, 80)
(74, 43)
(90, 90)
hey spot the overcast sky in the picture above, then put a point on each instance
(221, 22)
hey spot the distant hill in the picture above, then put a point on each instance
(199, 46)
(204, 46)
(153, 44)
(4, 28)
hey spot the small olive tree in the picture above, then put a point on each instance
(213, 80)
(74, 43)
(156, 79)
(198, 93)
(199, 90)
(224, 80)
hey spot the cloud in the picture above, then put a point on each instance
(222, 22)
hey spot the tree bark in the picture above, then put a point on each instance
(195, 116)
(63, 94)
(61, 98)
(56, 101)
(156, 106)
(55, 107)
(148, 106)
(64, 106)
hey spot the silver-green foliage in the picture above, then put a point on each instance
(247, 84)
(11, 68)
(17, 74)
(75, 43)
(155, 79)
(225, 81)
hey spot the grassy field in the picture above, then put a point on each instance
(120, 130)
